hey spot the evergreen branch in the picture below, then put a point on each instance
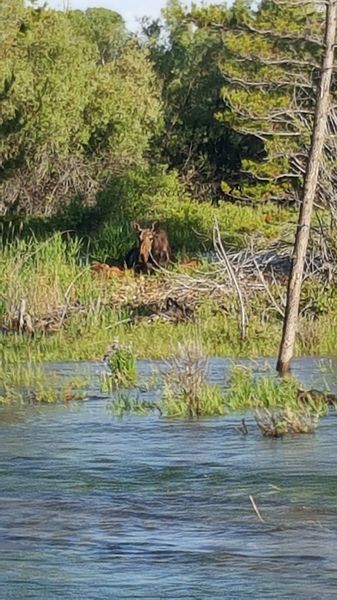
(264, 135)
(261, 179)
(270, 33)
(284, 36)
(270, 84)
(290, 62)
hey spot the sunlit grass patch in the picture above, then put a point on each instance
(278, 404)
(22, 382)
(75, 314)
(44, 389)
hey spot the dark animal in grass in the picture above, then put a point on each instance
(153, 249)
(131, 258)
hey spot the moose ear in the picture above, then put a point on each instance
(155, 226)
(136, 227)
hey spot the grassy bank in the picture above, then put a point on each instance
(72, 313)
(75, 313)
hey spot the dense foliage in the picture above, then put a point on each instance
(78, 100)
(239, 91)
(217, 99)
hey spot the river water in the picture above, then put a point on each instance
(96, 507)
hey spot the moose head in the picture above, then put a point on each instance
(146, 238)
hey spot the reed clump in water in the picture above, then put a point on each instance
(186, 391)
(279, 406)
(30, 383)
(183, 392)
(122, 367)
(291, 419)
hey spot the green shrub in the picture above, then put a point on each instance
(122, 365)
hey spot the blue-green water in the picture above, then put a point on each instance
(98, 508)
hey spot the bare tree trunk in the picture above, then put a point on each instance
(310, 182)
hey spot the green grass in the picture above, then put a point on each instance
(87, 338)
(279, 406)
(122, 365)
(186, 392)
(77, 315)
(52, 277)
(106, 228)
(246, 392)
(29, 382)
(189, 226)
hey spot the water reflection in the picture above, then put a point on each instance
(98, 508)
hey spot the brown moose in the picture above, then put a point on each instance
(153, 248)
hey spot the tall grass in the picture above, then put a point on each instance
(41, 272)
(277, 403)
(189, 226)
(54, 274)
(279, 406)
(186, 391)
(22, 382)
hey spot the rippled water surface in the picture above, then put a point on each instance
(98, 508)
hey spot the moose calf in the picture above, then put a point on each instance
(153, 249)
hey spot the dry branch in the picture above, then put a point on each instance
(222, 256)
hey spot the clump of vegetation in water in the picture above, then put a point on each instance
(186, 392)
(129, 404)
(246, 391)
(279, 405)
(30, 383)
(122, 364)
(290, 419)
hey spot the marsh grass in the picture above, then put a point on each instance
(290, 419)
(124, 404)
(54, 274)
(39, 272)
(186, 391)
(122, 365)
(246, 391)
(30, 383)
(278, 404)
